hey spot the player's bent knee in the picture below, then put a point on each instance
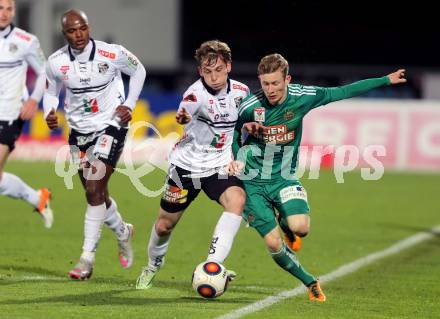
(273, 243)
(235, 200)
(164, 227)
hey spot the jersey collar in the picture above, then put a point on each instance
(212, 91)
(92, 53)
(11, 26)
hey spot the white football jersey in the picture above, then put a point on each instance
(93, 82)
(18, 49)
(207, 140)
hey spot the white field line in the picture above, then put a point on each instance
(339, 272)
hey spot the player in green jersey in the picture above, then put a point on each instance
(273, 117)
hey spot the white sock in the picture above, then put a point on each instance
(157, 249)
(88, 256)
(114, 221)
(224, 233)
(13, 186)
(93, 226)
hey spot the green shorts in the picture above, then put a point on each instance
(289, 197)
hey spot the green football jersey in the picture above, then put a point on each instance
(274, 154)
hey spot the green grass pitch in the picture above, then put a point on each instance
(349, 221)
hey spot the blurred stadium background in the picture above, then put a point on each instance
(327, 44)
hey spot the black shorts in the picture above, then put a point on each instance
(105, 145)
(10, 132)
(181, 189)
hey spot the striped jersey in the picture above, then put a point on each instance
(206, 143)
(18, 50)
(274, 154)
(93, 82)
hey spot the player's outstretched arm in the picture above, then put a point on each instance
(397, 77)
(327, 95)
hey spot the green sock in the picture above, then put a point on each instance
(284, 226)
(286, 259)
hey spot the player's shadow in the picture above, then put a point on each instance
(112, 297)
(32, 274)
(10, 278)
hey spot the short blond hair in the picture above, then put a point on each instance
(272, 63)
(211, 51)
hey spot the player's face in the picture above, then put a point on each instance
(215, 74)
(77, 32)
(274, 86)
(7, 13)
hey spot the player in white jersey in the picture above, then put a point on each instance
(98, 114)
(201, 159)
(18, 50)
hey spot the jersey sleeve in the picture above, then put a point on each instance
(35, 57)
(327, 95)
(191, 101)
(53, 88)
(126, 61)
(129, 64)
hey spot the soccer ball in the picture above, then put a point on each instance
(210, 279)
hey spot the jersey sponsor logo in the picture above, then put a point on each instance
(293, 192)
(23, 36)
(64, 69)
(132, 62)
(237, 101)
(289, 115)
(221, 116)
(259, 114)
(90, 106)
(277, 134)
(219, 140)
(85, 81)
(190, 98)
(239, 87)
(13, 47)
(175, 195)
(103, 68)
(106, 54)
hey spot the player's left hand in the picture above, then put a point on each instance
(397, 77)
(235, 167)
(28, 109)
(123, 113)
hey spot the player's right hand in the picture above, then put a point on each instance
(254, 128)
(183, 117)
(52, 120)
